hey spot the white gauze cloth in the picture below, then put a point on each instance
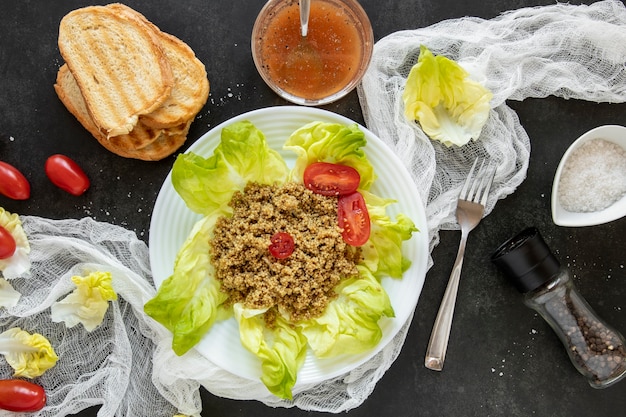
(127, 364)
(561, 50)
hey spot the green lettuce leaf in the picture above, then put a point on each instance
(281, 349)
(207, 184)
(448, 105)
(330, 142)
(350, 323)
(382, 254)
(187, 302)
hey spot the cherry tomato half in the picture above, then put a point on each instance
(13, 183)
(354, 219)
(331, 179)
(282, 245)
(19, 395)
(66, 174)
(7, 244)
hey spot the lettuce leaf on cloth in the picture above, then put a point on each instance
(448, 105)
(19, 263)
(190, 300)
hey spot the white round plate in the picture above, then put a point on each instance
(172, 221)
(562, 217)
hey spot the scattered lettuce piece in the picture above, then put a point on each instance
(330, 142)
(8, 296)
(350, 323)
(30, 355)
(88, 303)
(243, 155)
(448, 105)
(281, 349)
(19, 263)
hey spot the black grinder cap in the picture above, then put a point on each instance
(526, 260)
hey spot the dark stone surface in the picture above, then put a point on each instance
(503, 359)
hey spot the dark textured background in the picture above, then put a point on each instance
(503, 359)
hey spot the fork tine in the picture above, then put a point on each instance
(489, 179)
(477, 183)
(464, 194)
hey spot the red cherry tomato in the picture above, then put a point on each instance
(354, 219)
(282, 245)
(331, 179)
(7, 244)
(19, 395)
(66, 174)
(12, 183)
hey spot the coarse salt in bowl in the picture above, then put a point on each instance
(590, 182)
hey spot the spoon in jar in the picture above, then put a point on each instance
(304, 60)
(305, 11)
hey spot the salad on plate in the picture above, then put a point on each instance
(295, 255)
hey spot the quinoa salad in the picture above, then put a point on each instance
(302, 284)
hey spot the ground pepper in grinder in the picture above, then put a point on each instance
(597, 350)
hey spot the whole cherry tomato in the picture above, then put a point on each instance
(7, 244)
(354, 219)
(331, 179)
(282, 245)
(12, 183)
(66, 174)
(19, 395)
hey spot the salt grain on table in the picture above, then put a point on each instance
(594, 177)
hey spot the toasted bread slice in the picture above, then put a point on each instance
(143, 142)
(118, 64)
(191, 86)
(166, 144)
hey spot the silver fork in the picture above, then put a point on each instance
(469, 212)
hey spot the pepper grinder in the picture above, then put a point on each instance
(596, 349)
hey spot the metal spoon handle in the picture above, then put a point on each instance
(305, 9)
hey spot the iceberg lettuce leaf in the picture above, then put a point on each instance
(350, 324)
(88, 303)
(281, 349)
(330, 142)
(449, 106)
(9, 297)
(30, 355)
(207, 184)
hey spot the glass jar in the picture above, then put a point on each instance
(596, 349)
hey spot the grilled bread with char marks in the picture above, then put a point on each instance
(161, 132)
(143, 142)
(119, 65)
(191, 86)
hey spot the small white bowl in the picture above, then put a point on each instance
(562, 217)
